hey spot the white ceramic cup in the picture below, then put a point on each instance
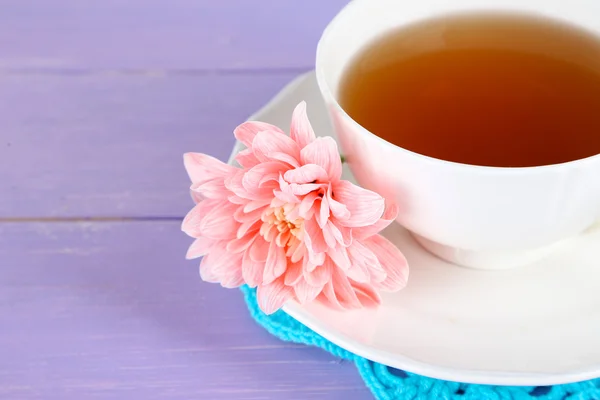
(481, 217)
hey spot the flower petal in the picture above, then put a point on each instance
(301, 190)
(201, 167)
(253, 177)
(377, 276)
(306, 293)
(324, 152)
(273, 296)
(347, 233)
(285, 194)
(359, 273)
(218, 223)
(298, 252)
(367, 295)
(320, 275)
(268, 143)
(282, 238)
(255, 205)
(246, 158)
(313, 261)
(323, 215)
(308, 173)
(192, 222)
(235, 199)
(363, 255)
(196, 197)
(313, 237)
(291, 211)
(234, 183)
(246, 132)
(269, 232)
(391, 260)
(259, 250)
(338, 293)
(329, 236)
(286, 158)
(301, 130)
(306, 205)
(200, 247)
(269, 181)
(328, 297)
(276, 263)
(336, 231)
(293, 274)
(344, 291)
(207, 274)
(365, 206)
(389, 215)
(234, 277)
(340, 258)
(212, 189)
(239, 245)
(248, 228)
(252, 271)
(241, 216)
(223, 266)
(339, 210)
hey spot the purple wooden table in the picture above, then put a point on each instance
(98, 101)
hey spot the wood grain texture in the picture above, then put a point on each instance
(113, 145)
(99, 99)
(150, 35)
(112, 311)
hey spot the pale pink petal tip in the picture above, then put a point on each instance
(247, 131)
(323, 151)
(285, 223)
(301, 130)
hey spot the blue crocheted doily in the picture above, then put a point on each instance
(391, 384)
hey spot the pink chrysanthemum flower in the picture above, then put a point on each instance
(286, 223)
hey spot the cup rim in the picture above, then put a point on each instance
(327, 93)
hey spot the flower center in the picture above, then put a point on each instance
(277, 225)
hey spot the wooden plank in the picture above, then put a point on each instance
(106, 145)
(112, 310)
(157, 35)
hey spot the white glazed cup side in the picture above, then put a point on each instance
(470, 215)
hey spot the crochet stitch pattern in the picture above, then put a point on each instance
(391, 384)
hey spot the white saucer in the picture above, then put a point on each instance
(536, 325)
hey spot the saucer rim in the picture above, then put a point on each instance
(401, 362)
(394, 360)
